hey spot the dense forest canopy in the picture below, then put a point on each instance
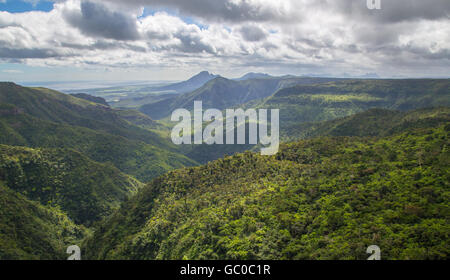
(326, 198)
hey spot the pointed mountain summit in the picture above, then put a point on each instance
(192, 84)
(202, 77)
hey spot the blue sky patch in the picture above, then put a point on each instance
(18, 6)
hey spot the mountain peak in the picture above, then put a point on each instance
(203, 76)
(192, 84)
(204, 73)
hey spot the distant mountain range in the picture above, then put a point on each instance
(311, 100)
(135, 96)
(222, 93)
(332, 97)
(193, 83)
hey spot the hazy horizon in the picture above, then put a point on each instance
(103, 84)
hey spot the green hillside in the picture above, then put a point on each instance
(62, 164)
(91, 98)
(374, 122)
(38, 118)
(84, 189)
(53, 106)
(140, 119)
(29, 231)
(327, 101)
(325, 198)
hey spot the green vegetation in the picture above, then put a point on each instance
(84, 189)
(325, 198)
(58, 108)
(30, 231)
(62, 160)
(91, 98)
(47, 119)
(374, 122)
(381, 176)
(139, 119)
(328, 101)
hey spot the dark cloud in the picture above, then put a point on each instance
(97, 20)
(411, 51)
(245, 10)
(192, 43)
(378, 35)
(219, 10)
(157, 35)
(407, 10)
(104, 45)
(253, 33)
(10, 53)
(392, 11)
(188, 44)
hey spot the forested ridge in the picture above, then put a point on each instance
(30, 231)
(86, 190)
(325, 198)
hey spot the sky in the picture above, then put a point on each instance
(149, 40)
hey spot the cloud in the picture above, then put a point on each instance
(28, 53)
(289, 10)
(97, 20)
(392, 11)
(222, 10)
(253, 33)
(305, 36)
(169, 33)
